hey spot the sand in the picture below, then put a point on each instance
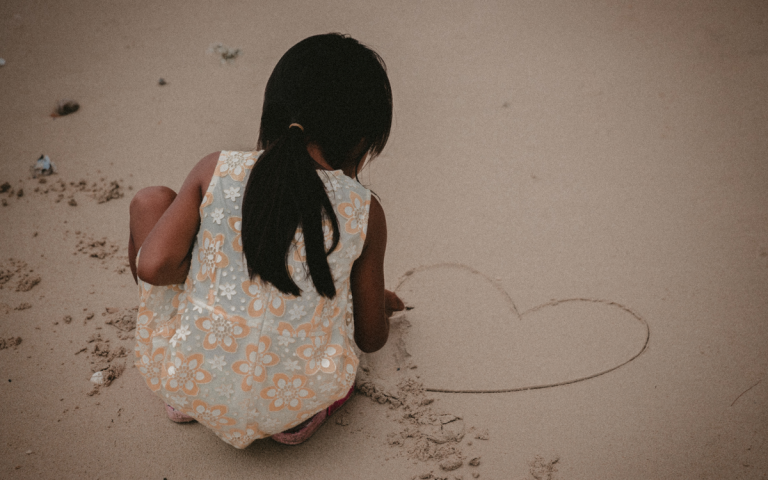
(577, 204)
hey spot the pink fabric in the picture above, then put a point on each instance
(308, 429)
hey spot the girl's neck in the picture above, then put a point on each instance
(317, 156)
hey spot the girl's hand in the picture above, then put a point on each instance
(392, 303)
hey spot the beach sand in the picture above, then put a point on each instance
(569, 188)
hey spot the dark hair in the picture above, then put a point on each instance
(337, 89)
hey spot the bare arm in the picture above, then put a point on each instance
(166, 252)
(373, 305)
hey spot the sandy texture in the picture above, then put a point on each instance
(570, 187)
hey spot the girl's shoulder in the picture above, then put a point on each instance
(224, 163)
(203, 172)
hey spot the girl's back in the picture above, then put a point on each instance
(247, 359)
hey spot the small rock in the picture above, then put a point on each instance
(226, 54)
(20, 193)
(475, 475)
(29, 452)
(43, 166)
(98, 378)
(9, 342)
(162, 82)
(342, 420)
(475, 461)
(27, 283)
(482, 435)
(451, 463)
(65, 107)
(5, 187)
(73, 202)
(68, 319)
(111, 310)
(2, 62)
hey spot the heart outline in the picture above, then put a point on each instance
(513, 308)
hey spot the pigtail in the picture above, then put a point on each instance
(338, 90)
(283, 193)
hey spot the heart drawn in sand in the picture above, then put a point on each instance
(466, 335)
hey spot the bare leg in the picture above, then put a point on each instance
(147, 206)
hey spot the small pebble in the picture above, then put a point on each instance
(98, 378)
(451, 463)
(162, 82)
(475, 461)
(65, 107)
(29, 452)
(73, 202)
(2, 62)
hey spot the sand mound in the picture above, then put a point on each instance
(18, 271)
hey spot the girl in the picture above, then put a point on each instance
(266, 269)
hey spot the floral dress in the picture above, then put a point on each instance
(238, 355)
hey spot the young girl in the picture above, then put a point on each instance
(262, 274)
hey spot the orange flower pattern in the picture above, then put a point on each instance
(213, 416)
(143, 331)
(325, 314)
(207, 200)
(243, 358)
(319, 355)
(242, 438)
(258, 357)
(222, 330)
(236, 164)
(211, 256)
(151, 368)
(187, 374)
(236, 224)
(287, 335)
(287, 392)
(356, 213)
(264, 296)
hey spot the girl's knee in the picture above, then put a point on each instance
(151, 198)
